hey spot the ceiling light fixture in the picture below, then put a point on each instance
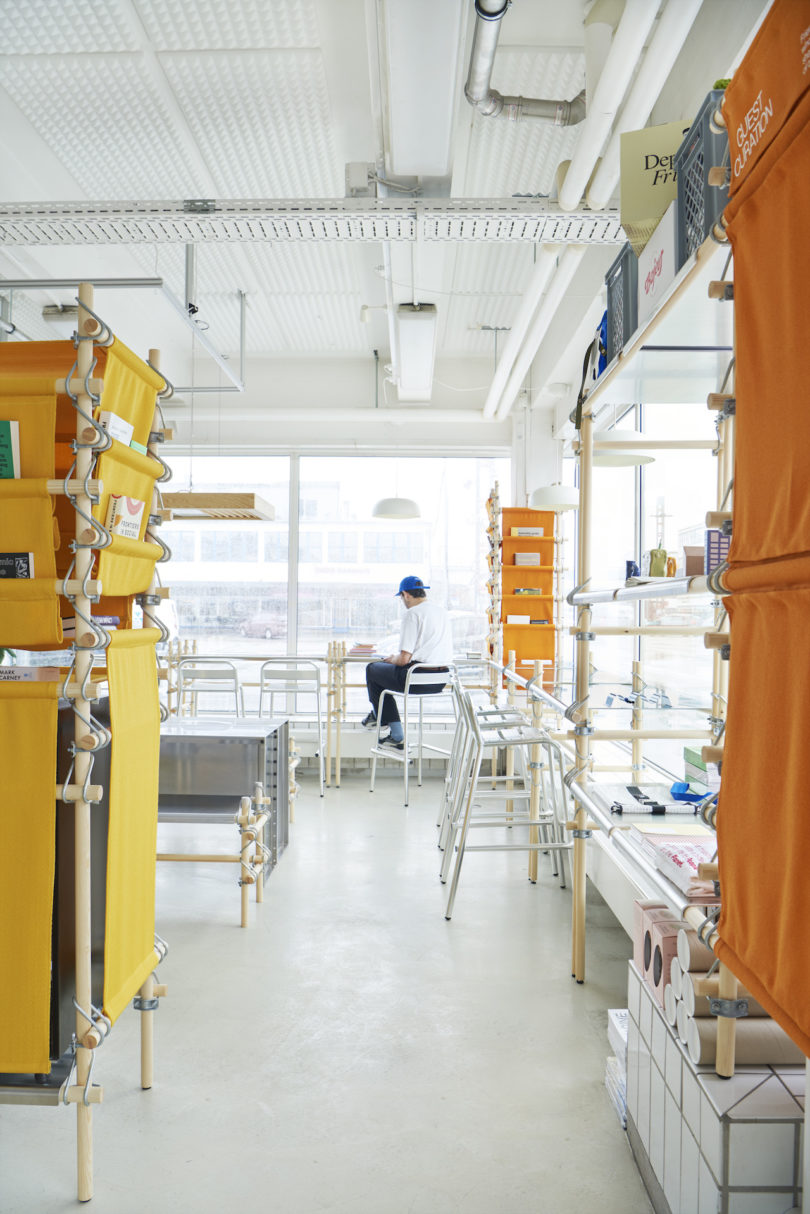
(620, 456)
(396, 507)
(416, 333)
(555, 497)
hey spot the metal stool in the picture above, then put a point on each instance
(416, 677)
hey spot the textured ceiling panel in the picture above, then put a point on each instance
(36, 27)
(145, 157)
(261, 121)
(506, 158)
(491, 268)
(471, 324)
(227, 24)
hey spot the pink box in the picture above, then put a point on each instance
(664, 941)
(639, 911)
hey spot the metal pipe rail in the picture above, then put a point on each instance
(665, 589)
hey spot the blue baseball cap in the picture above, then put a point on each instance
(410, 583)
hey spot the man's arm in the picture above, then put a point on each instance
(399, 659)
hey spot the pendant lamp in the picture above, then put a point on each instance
(620, 457)
(555, 497)
(395, 507)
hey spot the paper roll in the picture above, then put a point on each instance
(670, 1005)
(692, 953)
(676, 978)
(756, 1041)
(682, 1022)
(696, 992)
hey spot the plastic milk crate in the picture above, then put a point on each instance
(700, 204)
(621, 281)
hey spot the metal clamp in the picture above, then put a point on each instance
(725, 652)
(583, 730)
(584, 636)
(732, 1009)
(145, 1005)
(582, 834)
(157, 436)
(199, 206)
(147, 600)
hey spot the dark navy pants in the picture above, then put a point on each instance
(383, 676)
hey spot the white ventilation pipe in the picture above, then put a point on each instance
(541, 275)
(665, 46)
(545, 314)
(487, 100)
(628, 42)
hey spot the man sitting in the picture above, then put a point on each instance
(425, 638)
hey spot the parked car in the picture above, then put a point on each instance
(267, 624)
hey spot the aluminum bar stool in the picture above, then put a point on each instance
(543, 820)
(207, 676)
(292, 678)
(417, 676)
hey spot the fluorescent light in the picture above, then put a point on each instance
(416, 333)
(423, 43)
(396, 507)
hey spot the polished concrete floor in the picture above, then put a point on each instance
(352, 1052)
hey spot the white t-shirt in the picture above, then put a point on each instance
(426, 634)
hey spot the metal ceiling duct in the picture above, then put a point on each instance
(487, 100)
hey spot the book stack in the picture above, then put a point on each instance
(696, 771)
(616, 1066)
(362, 651)
(677, 849)
(108, 622)
(527, 590)
(526, 532)
(527, 558)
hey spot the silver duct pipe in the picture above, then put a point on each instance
(489, 101)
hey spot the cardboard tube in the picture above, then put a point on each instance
(757, 1041)
(698, 1007)
(682, 1022)
(676, 977)
(670, 1006)
(693, 955)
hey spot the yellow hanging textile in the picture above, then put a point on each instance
(29, 607)
(28, 721)
(127, 566)
(129, 953)
(130, 389)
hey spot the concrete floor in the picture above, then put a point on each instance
(352, 1052)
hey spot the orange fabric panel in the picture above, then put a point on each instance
(36, 415)
(773, 76)
(763, 819)
(769, 575)
(766, 224)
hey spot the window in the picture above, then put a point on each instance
(184, 545)
(407, 547)
(275, 546)
(310, 547)
(229, 545)
(342, 548)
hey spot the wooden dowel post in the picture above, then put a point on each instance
(243, 819)
(147, 994)
(726, 1025)
(87, 327)
(637, 719)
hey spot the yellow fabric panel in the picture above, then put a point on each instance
(129, 955)
(27, 524)
(29, 613)
(37, 418)
(126, 567)
(130, 389)
(27, 832)
(123, 470)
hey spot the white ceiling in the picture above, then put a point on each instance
(138, 100)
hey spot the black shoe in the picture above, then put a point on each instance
(388, 743)
(369, 722)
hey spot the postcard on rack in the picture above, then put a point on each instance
(124, 516)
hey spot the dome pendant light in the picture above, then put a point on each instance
(395, 507)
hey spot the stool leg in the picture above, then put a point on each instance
(406, 765)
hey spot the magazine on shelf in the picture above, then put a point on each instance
(16, 564)
(9, 450)
(677, 850)
(29, 674)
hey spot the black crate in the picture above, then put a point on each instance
(700, 205)
(621, 281)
